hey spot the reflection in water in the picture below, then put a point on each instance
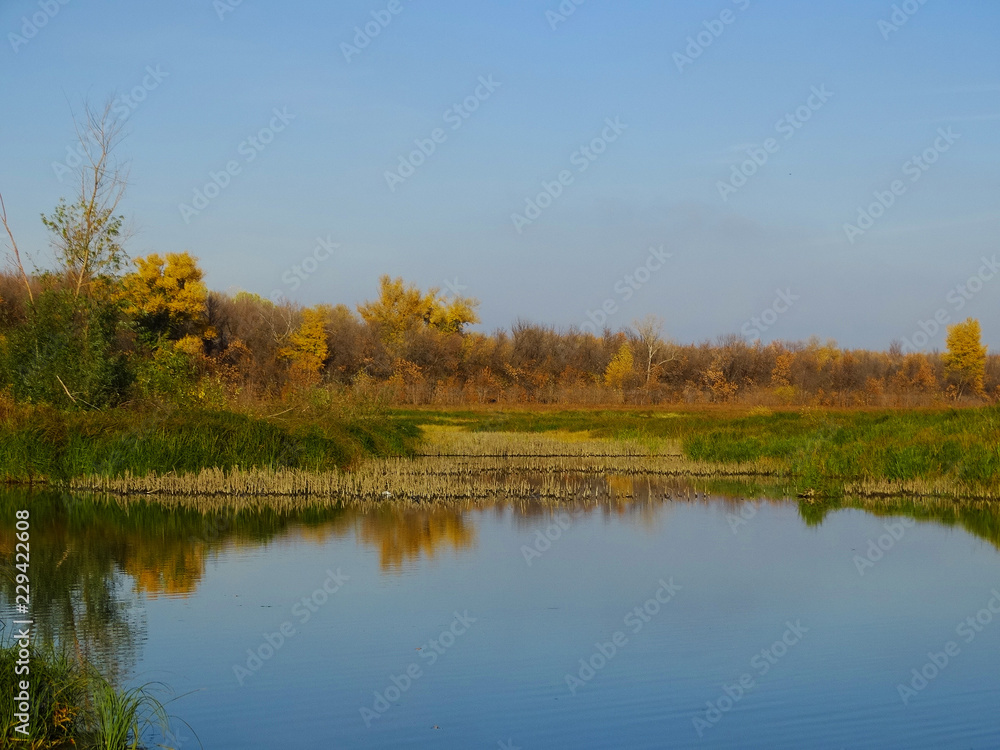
(79, 593)
(94, 560)
(403, 535)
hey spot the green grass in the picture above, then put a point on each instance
(58, 689)
(73, 706)
(819, 448)
(45, 445)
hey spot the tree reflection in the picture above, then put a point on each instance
(95, 561)
(408, 535)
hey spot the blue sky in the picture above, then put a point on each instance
(887, 96)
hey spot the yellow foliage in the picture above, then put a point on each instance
(307, 347)
(452, 316)
(781, 375)
(965, 360)
(401, 307)
(619, 368)
(168, 294)
(190, 345)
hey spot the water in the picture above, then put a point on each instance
(481, 643)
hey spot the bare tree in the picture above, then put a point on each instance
(88, 233)
(657, 351)
(15, 250)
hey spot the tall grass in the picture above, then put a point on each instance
(122, 717)
(40, 445)
(822, 449)
(74, 706)
(58, 692)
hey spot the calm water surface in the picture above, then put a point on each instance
(713, 623)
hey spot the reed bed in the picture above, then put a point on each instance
(941, 488)
(615, 494)
(502, 466)
(455, 465)
(453, 442)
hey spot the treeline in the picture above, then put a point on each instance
(98, 330)
(157, 333)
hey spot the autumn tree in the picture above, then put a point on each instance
(620, 367)
(307, 349)
(167, 296)
(965, 360)
(452, 315)
(401, 307)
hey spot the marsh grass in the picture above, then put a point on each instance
(943, 452)
(558, 465)
(457, 465)
(39, 445)
(58, 693)
(74, 706)
(122, 717)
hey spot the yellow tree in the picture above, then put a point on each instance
(167, 295)
(451, 316)
(307, 348)
(965, 360)
(401, 307)
(619, 369)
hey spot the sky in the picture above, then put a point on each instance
(773, 169)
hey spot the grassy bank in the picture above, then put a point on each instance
(70, 705)
(936, 452)
(41, 445)
(943, 453)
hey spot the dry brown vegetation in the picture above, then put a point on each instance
(233, 350)
(461, 467)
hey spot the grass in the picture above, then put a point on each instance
(955, 451)
(40, 445)
(942, 452)
(73, 706)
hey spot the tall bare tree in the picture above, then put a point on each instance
(655, 351)
(15, 251)
(88, 233)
